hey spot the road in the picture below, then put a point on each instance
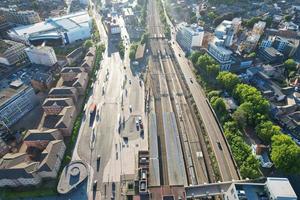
(180, 148)
(116, 89)
(226, 164)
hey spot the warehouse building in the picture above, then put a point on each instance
(55, 31)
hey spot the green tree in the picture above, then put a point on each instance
(219, 105)
(211, 15)
(213, 93)
(290, 66)
(246, 93)
(240, 116)
(251, 55)
(145, 38)
(285, 154)
(193, 18)
(250, 168)
(213, 70)
(266, 129)
(194, 56)
(87, 44)
(132, 51)
(228, 80)
(288, 18)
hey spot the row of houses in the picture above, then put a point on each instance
(42, 150)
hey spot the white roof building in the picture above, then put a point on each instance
(42, 55)
(68, 29)
(280, 188)
(189, 36)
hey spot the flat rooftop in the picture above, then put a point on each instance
(54, 25)
(281, 187)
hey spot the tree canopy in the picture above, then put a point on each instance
(228, 80)
(285, 154)
(266, 129)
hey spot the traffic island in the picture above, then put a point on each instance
(72, 176)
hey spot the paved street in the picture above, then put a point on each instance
(115, 90)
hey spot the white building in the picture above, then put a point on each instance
(217, 50)
(64, 30)
(272, 189)
(42, 55)
(227, 30)
(221, 29)
(189, 36)
(280, 188)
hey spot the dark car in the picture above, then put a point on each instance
(219, 145)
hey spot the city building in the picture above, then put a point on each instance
(286, 46)
(89, 60)
(252, 40)
(42, 81)
(6, 138)
(273, 188)
(15, 102)
(222, 29)
(64, 92)
(69, 73)
(63, 121)
(80, 82)
(60, 30)
(40, 138)
(259, 28)
(30, 167)
(53, 106)
(42, 55)
(220, 53)
(52, 157)
(16, 170)
(279, 188)
(11, 52)
(261, 152)
(74, 56)
(271, 55)
(4, 26)
(189, 36)
(129, 17)
(20, 17)
(114, 29)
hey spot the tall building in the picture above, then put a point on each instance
(60, 30)
(20, 17)
(15, 102)
(189, 36)
(227, 30)
(11, 52)
(4, 26)
(286, 46)
(42, 55)
(217, 50)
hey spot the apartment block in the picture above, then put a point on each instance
(64, 92)
(189, 36)
(42, 55)
(20, 17)
(217, 50)
(11, 52)
(53, 106)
